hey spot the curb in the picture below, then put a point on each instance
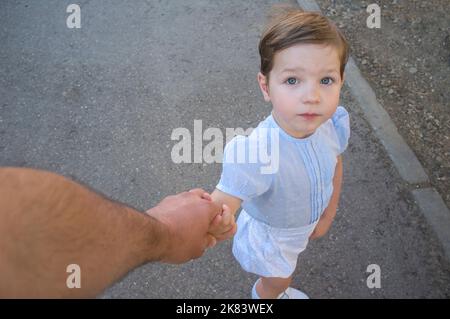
(401, 155)
(405, 161)
(436, 213)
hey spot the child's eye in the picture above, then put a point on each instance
(291, 81)
(326, 81)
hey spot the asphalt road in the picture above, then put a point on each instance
(99, 104)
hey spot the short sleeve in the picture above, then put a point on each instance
(242, 177)
(341, 122)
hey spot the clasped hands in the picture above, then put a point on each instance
(190, 223)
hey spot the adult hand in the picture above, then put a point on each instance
(187, 217)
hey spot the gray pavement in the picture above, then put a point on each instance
(99, 104)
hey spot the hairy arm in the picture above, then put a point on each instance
(329, 213)
(48, 222)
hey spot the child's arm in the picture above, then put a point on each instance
(224, 226)
(329, 213)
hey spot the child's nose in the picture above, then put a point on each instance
(311, 94)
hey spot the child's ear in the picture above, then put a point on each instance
(343, 79)
(264, 86)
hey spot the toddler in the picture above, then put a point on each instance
(303, 56)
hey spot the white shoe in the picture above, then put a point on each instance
(289, 293)
(254, 293)
(292, 293)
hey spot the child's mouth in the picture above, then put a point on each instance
(308, 116)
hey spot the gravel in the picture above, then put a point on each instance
(407, 62)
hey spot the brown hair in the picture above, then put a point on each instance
(289, 26)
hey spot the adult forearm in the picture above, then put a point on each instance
(48, 222)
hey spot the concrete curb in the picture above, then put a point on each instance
(436, 213)
(401, 155)
(428, 199)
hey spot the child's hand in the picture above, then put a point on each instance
(223, 225)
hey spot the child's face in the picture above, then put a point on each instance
(304, 86)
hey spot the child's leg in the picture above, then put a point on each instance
(272, 287)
